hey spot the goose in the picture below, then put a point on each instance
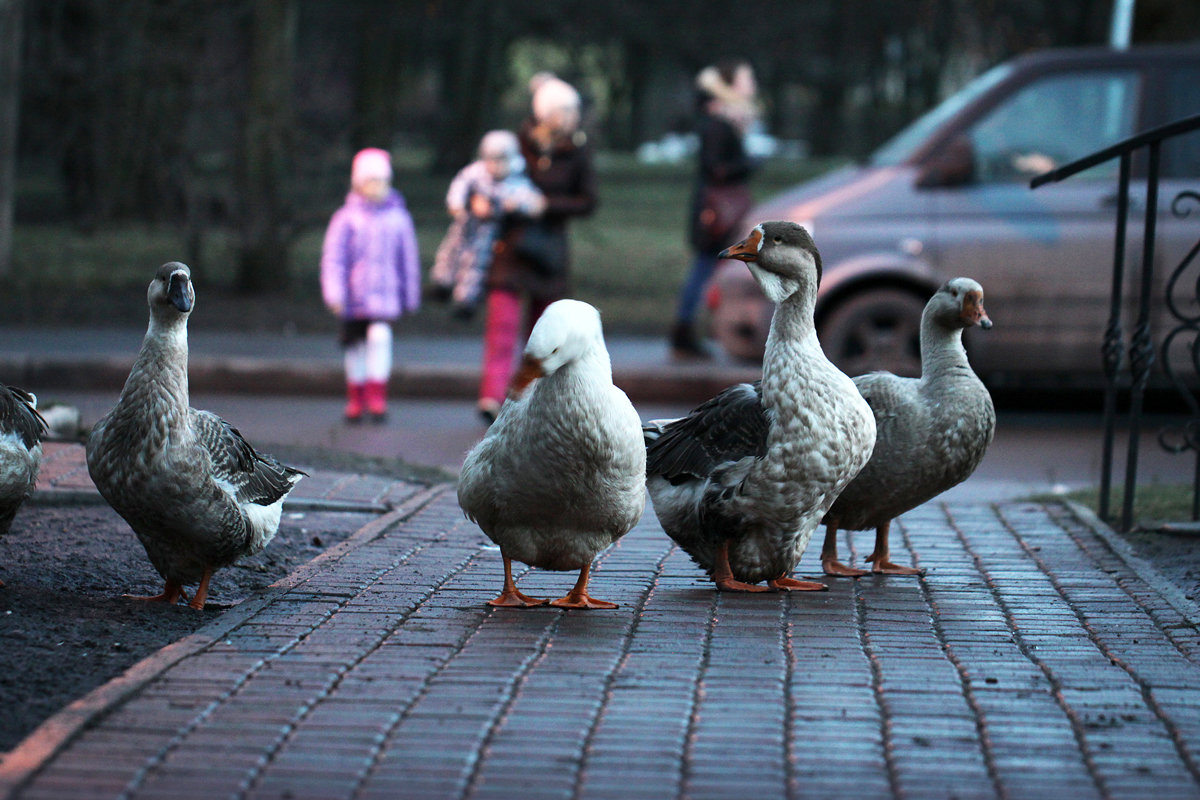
(932, 430)
(742, 482)
(560, 475)
(21, 431)
(195, 492)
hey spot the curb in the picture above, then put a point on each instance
(25, 760)
(238, 375)
(1188, 609)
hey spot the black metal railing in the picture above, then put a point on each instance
(1182, 323)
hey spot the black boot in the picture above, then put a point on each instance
(685, 345)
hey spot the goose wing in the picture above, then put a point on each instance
(250, 476)
(720, 431)
(18, 414)
(888, 395)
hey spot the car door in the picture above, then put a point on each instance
(1043, 257)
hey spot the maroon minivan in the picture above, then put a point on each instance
(950, 196)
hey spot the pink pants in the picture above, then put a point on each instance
(503, 325)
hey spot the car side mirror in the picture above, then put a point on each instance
(952, 165)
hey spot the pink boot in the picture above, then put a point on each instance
(354, 402)
(376, 398)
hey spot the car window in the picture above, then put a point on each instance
(1054, 121)
(1181, 156)
(900, 147)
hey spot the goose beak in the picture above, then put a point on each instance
(973, 312)
(746, 249)
(180, 292)
(531, 369)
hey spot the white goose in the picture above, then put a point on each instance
(197, 495)
(21, 431)
(560, 475)
(932, 430)
(742, 482)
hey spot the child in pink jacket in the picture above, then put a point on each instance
(370, 275)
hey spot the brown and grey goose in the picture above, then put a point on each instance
(932, 431)
(742, 482)
(21, 431)
(197, 495)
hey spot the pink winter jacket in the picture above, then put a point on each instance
(369, 263)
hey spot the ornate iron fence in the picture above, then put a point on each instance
(1183, 322)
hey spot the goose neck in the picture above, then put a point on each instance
(942, 349)
(164, 356)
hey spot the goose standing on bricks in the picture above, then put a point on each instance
(21, 431)
(561, 473)
(195, 492)
(742, 482)
(932, 430)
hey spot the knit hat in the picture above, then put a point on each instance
(551, 95)
(371, 163)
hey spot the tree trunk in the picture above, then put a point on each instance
(10, 95)
(471, 81)
(266, 148)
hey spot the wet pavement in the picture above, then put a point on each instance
(1036, 658)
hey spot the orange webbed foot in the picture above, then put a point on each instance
(734, 585)
(881, 566)
(514, 599)
(170, 595)
(836, 568)
(785, 584)
(581, 600)
(510, 596)
(880, 557)
(722, 574)
(578, 596)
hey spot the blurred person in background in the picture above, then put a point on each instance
(481, 198)
(531, 260)
(728, 110)
(370, 275)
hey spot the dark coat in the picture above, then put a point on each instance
(723, 162)
(566, 176)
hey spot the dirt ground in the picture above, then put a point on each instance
(65, 627)
(64, 622)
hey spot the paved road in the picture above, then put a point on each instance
(1037, 659)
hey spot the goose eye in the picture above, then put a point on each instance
(778, 240)
(954, 292)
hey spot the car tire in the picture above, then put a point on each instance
(875, 329)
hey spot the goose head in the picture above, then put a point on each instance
(781, 256)
(565, 332)
(170, 294)
(959, 304)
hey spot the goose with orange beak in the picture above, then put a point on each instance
(742, 482)
(560, 474)
(932, 431)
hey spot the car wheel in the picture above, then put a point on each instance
(877, 329)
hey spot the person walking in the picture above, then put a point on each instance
(531, 260)
(370, 275)
(728, 109)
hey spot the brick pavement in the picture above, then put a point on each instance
(1036, 659)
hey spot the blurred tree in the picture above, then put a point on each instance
(10, 70)
(266, 153)
(245, 112)
(473, 39)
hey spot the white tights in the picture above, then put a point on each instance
(371, 359)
